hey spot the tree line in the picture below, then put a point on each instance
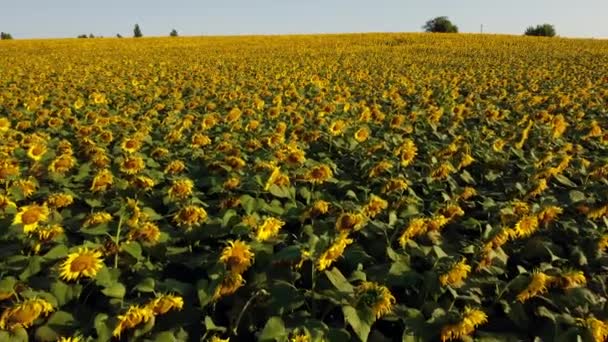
(444, 25)
(439, 25)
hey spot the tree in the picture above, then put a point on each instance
(544, 30)
(137, 31)
(5, 36)
(173, 33)
(82, 36)
(118, 35)
(440, 24)
(91, 35)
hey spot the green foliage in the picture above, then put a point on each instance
(5, 36)
(137, 31)
(544, 30)
(441, 25)
(173, 33)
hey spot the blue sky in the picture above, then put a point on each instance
(68, 18)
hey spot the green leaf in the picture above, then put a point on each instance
(165, 336)
(64, 292)
(360, 320)
(230, 213)
(56, 252)
(44, 334)
(116, 290)
(279, 191)
(93, 202)
(339, 281)
(32, 268)
(61, 318)
(274, 330)
(132, 248)
(248, 203)
(104, 332)
(146, 285)
(576, 196)
(210, 326)
(565, 181)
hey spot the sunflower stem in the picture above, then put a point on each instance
(240, 316)
(116, 241)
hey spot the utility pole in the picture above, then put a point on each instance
(481, 31)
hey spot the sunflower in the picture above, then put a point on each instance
(229, 285)
(174, 167)
(456, 274)
(70, 339)
(181, 189)
(407, 152)
(571, 279)
(97, 218)
(218, 339)
(375, 296)
(549, 214)
(320, 207)
(416, 227)
(350, 222)
(48, 233)
(238, 256)
(161, 305)
(301, 337)
(8, 169)
(443, 171)
(190, 216)
(319, 174)
(233, 115)
(147, 232)
(382, 167)
(269, 228)
(130, 145)
(200, 140)
(232, 183)
(295, 157)
(597, 328)
(160, 152)
(26, 186)
(539, 283)
(5, 124)
(30, 216)
(395, 184)
(362, 134)
(235, 162)
(375, 206)
(337, 127)
(82, 263)
(526, 226)
(24, 314)
(272, 179)
(5, 202)
(132, 165)
(470, 320)
(134, 316)
(59, 200)
(335, 250)
(36, 151)
(102, 181)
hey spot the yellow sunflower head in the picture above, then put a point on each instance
(181, 189)
(269, 228)
(83, 263)
(30, 216)
(375, 296)
(132, 165)
(24, 314)
(164, 303)
(237, 256)
(102, 181)
(36, 151)
(190, 216)
(134, 316)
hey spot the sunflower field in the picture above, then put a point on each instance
(364, 187)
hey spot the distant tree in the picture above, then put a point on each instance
(544, 30)
(137, 31)
(118, 35)
(173, 33)
(91, 35)
(82, 36)
(5, 36)
(440, 24)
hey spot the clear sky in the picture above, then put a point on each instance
(68, 18)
